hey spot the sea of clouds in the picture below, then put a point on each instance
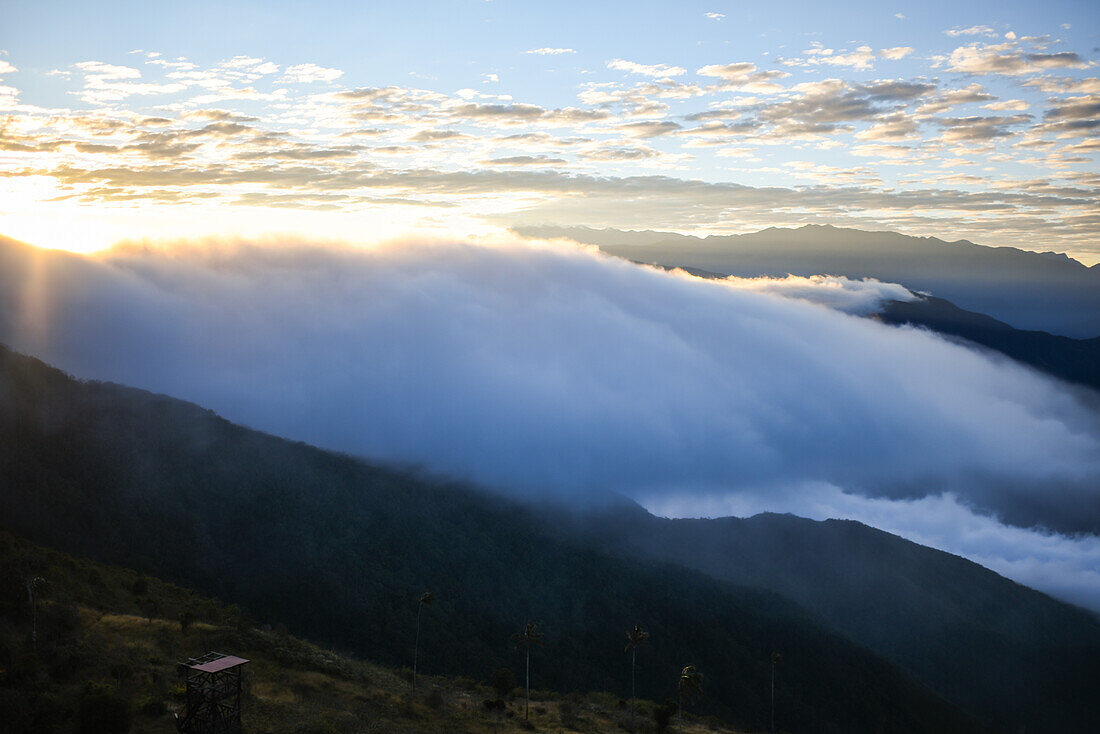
(547, 369)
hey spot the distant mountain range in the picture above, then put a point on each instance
(1032, 291)
(976, 637)
(1073, 360)
(339, 550)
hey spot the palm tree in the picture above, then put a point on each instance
(530, 636)
(635, 638)
(34, 585)
(426, 600)
(776, 660)
(691, 686)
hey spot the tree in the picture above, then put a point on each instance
(34, 587)
(635, 638)
(531, 636)
(426, 600)
(776, 660)
(690, 686)
(150, 608)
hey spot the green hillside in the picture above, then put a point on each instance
(339, 551)
(108, 640)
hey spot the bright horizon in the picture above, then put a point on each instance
(460, 120)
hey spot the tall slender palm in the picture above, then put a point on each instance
(426, 600)
(776, 660)
(635, 638)
(690, 686)
(34, 585)
(531, 636)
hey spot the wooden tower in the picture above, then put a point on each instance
(213, 695)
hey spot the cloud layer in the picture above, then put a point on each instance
(546, 369)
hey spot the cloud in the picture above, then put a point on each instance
(895, 53)
(715, 16)
(525, 160)
(660, 71)
(1065, 566)
(547, 51)
(250, 65)
(1009, 59)
(547, 369)
(648, 128)
(977, 128)
(974, 30)
(842, 294)
(861, 59)
(744, 76)
(309, 73)
(301, 130)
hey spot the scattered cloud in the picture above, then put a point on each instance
(660, 71)
(898, 52)
(860, 59)
(547, 51)
(974, 30)
(1009, 59)
(309, 73)
(143, 129)
(715, 16)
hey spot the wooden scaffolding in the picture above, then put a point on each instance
(213, 695)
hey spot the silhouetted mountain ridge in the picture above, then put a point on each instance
(1030, 290)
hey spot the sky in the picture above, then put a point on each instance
(366, 121)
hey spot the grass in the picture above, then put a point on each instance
(108, 630)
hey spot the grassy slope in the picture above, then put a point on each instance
(93, 631)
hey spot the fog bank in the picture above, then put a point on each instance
(546, 369)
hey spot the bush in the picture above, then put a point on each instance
(567, 712)
(503, 681)
(102, 711)
(319, 725)
(152, 706)
(662, 715)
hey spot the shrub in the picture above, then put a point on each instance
(567, 712)
(662, 715)
(102, 711)
(503, 682)
(319, 725)
(152, 706)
